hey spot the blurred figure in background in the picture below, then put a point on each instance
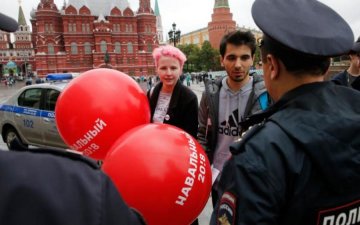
(351, 76)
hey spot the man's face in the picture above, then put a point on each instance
(237, 61)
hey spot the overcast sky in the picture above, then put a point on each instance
(190, 15)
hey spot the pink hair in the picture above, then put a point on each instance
(171, 51)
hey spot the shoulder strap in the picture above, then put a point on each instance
(264, 100)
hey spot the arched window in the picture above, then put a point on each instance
(51, 50)
(74, 48)
(103, 46)
(130, 47)
(117, 47)
(149, 47)
(87, 48)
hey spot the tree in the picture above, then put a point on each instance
(198, 59)
(209, 57)
(191, 51)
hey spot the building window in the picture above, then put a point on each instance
(196, 40)
(130, 47)
(103, 46)
(74, 48)
(70, 27)
(87, 48)
(85, 27)
(51, 27)
(51, 50)
(149, 47)
(126, 28)
(74, 27)
(46, 27)
(117, 47)
(206, 37)
(116, 27)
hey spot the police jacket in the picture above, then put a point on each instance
(300, 165)
(183, 107)
(343, 79)
(209, 111)
(58, 188)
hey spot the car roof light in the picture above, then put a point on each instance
(58, 76)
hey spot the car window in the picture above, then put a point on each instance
(50, 99)
(30, 98)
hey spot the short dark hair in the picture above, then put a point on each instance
(238, 38)
(355, 50)
(294, 61)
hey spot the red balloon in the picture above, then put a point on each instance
(161, 171)
(97, 107)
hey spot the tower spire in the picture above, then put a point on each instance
(157, 11)
(221, 4)
(159, 27)
(21, 17)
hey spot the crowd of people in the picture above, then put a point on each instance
(284, 147)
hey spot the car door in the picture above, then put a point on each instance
(27, 115)
(50, 132)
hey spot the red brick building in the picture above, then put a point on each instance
(221, 22)
(83, 35)
(16, 49)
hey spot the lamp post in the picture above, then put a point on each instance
(174, 35)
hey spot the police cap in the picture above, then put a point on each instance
(356, 47)
(307, 26)
(7, 24)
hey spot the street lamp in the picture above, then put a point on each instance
(174, 35)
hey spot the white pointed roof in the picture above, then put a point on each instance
(100, 7)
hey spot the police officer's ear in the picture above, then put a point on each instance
(273, 66)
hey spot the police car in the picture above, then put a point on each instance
(29, 114)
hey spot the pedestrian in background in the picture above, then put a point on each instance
(228, 101)
(351, 76)
(299, 163)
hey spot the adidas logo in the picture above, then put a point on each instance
(233, 128)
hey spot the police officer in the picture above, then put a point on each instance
(351, 76)
(56, 187)
(301, 163)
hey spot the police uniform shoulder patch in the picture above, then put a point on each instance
(226, 210)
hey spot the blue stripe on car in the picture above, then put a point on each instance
(27, 111)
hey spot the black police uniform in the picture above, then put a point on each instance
(58, 188)
(301, 164)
